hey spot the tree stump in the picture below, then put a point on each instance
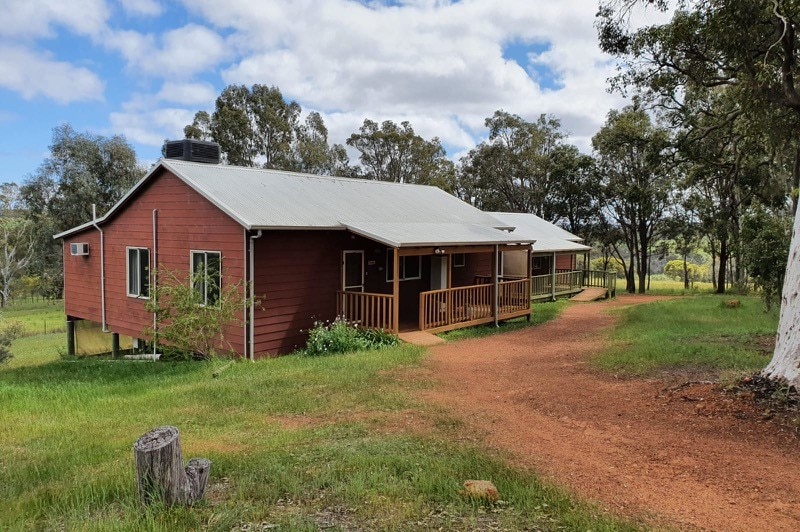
(160, 474)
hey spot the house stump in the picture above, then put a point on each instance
(160, 474)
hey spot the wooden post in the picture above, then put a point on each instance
(115, 345)
(530, 280)
(496, 267)
(553, 277)
(70, 336)
(396, 292)
(160, 474)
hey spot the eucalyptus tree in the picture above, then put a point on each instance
(514, 169)
(82, 170)
(312, 152)
(727, 168)
(637, 178)
(750, 48)
(576, 196)
(392, 152)
(253, 126)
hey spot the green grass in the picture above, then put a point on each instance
(542, 312)
(300, 442)
(39, 317)
(691, 333)
(670, 287)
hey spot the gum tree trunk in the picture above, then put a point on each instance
(160, 473)
(786, 359)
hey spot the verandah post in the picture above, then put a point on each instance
(496, 268)
(553, 277)
(396, 292)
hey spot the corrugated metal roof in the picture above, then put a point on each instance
(549, 237)
(530, 223)
(549, 245)
(271, 199)
(265, 199)
(433, 234)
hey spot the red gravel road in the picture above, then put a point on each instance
(686, 457)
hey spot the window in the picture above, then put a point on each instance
(410, 267)
(138, 272)
(207, 276)
(459, 260)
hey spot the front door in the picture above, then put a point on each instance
(353, 271)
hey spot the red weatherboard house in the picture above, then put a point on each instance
(390, 256)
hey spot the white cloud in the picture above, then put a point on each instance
(194, 94)
(175, 54)
(436, 63)
(38, 18)
(148, 8)
(151, 125)
(31, 75)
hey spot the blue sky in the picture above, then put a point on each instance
(141, 68)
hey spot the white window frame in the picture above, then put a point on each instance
(355, 287)
(138, 293)
(205, 252)
(402, 262)
(463, 260)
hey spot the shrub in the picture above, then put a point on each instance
(697, 272)
(187, 328)
(341, 336)
(9, 331)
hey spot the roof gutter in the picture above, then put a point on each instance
(102, 269)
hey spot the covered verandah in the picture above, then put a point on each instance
(458, 278)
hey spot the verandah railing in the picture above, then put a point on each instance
(568, 282)
(464, 306)
(375, 311)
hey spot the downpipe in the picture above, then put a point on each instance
(252, 283)
(102, 269)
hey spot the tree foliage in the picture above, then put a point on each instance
(16, 251)
(82, 170)
(637, 180)
(765, 236)
(392, 152)
(516, 169)
(185, 326)
(256, 126)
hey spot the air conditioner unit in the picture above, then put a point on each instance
(79, 248)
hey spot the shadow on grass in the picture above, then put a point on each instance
(100, 371)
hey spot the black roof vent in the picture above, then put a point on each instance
(198, 151)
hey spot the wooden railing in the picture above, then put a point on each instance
(375, 311)
(514, 296)
(569, 282)
(441, 308)
(597, 278)
(454, 308)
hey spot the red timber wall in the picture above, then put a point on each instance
(565, 261)
(297, 276)
(186, 222)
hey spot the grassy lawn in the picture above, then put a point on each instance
(691, 333)
(671, 287)
(542, 312)
(39, 317)
(303, 443)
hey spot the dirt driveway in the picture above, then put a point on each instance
(686, 457)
